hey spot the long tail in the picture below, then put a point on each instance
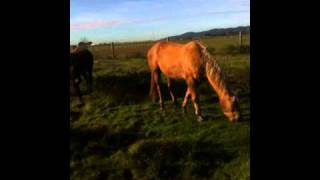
(152, 83)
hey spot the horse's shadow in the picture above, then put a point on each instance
(127, 88)
(74, 115)
(173, 156)
(133, 87)
(168, 157)
(101, 140)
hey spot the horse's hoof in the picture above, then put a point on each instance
(183, 110)
(80, 104)
(200, 119)
(176, 104)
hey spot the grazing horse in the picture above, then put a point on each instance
(81, 64)
(191, 62)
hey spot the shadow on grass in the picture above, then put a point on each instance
(125, 88)
(137, 85)
(177, 159)
(101, 140)
(132, 88)
(148, 158)
(74, 115)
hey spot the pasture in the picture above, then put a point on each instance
(121, 134)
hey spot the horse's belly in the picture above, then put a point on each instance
(172, 72)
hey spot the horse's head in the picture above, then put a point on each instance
(230, 108)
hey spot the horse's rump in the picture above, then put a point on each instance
(81, 61)
(81, 64)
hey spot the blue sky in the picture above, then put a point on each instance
(137, 20)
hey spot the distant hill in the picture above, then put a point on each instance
(212, 32)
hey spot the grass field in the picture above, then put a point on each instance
(121, 134)
(218, 45)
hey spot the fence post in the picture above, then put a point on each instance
(112, 48)
(240, 39)
(167, 39)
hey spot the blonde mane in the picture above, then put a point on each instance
(214, 70)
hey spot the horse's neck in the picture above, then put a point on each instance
(216, 78)
(221, 89)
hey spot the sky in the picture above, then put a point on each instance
(138, 20)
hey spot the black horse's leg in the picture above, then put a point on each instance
(89, 81)
(78, 80)
(76, 89)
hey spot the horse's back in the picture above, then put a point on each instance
(83, 57)
(172, 49)
(164, 50)
(81, 61)
(175, 59)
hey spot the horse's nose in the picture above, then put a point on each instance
(236, 118)
(236, 115)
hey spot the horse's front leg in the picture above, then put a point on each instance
(195, 100)
(173, 98)
(192, 85)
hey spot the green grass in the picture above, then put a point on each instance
(121, 134)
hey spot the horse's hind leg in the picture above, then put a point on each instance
(185, 101)
(76, 89)
(156, 78)
(78, 80)
(88, 77)
(152, 93)
(90, 81)
(171, 91)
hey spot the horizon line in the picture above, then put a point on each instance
(128, 41)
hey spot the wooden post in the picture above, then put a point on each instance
(167, 39)
(240, 39)
(112, 49)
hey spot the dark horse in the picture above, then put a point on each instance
(81, 65)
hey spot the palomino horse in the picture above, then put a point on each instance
(190, 62)
(81, 64)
